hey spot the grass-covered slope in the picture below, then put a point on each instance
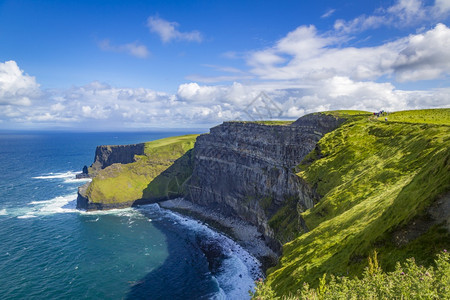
(157, 174)
(429, 116)
(374, 178)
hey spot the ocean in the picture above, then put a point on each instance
(51, 250)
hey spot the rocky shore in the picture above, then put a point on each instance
(243, 233)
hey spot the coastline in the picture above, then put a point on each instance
(246, 235)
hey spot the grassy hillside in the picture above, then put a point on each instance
(157, 174)
(375, 178)
(428, 116)
(269, 122)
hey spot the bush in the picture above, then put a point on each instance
(408, 281)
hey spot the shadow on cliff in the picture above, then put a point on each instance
(183, 275)
(170, 183)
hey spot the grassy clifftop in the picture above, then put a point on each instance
(376, 181)
(157, 174)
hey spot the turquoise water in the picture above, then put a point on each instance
(50, 250)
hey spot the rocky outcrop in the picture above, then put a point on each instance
(84, 173)
(246, 169)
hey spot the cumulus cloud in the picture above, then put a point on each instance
(303, 72)
(403, 13)
(426, 56)
(167, 31)
(133, 49)
(16, 87)
(305, 55)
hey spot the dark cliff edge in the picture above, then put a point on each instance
(107, 155)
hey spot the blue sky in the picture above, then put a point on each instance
(124, 65)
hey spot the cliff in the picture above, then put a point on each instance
(331, 187)
(105, 156)
(246, 169)
(129, 175)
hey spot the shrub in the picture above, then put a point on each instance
(407, 281)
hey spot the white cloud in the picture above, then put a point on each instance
(134, 49)
(57, 107)
(167, 31)
(312, 73)
(328, 13)
(426, 56)
(443, 6)
(403, 13)
(304, 55)
(16, 87)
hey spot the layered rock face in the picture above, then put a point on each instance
(108, 155)
(246, 169)
(243, 169)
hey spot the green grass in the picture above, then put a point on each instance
(154, 175)
(372, 178)
(343, 113)
(269, 122)
(429, 116)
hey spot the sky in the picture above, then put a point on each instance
(140, 65)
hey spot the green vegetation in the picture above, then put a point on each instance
(268, 122)
(285, 222)
(273, 122)
(159, 173)
(373, 179)
(433, 116)
(407, 281)
(344, 113)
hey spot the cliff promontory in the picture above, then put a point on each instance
(128, 175)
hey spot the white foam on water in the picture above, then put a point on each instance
(27, 216)
(67, 177)
(75, 180)
(3, 212)
(60, 204)
(64, 175)
(239, 270)
(121, 212)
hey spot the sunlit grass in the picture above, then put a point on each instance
(373, 177)
(428, 116)
(129, 182)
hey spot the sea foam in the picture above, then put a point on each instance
(67, 177)
(63, 175)
(237, 273)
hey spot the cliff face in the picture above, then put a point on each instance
(108, 155)
(123, 176)
(246, 169)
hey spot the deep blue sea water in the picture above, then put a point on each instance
(50, 250)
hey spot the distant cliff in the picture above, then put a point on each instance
(129, 175)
